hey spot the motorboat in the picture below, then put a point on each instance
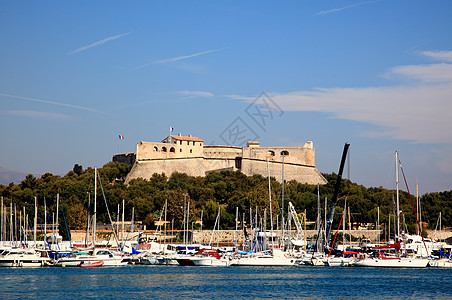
(276, 258)
(18, 257)
(204, 257)
(108, 257)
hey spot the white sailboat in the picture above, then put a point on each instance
(96, 257)
(398, 261)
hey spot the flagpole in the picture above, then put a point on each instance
(120, 137)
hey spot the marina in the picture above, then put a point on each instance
(133, 282)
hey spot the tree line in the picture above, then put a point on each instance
(225, 191)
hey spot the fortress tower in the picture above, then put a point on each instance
(188, 154)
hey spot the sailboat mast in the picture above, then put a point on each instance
(201, 226)
(58, 205)
(378, 223)
(318, 208)
(123, 211)
(282, 201)
(166, 208)
(45, 220)
(35, 223)
(185, 200)
(236, 220)
(87, 220)
(95, 207)
(397, 196)
(417, 206)
(270, 197)
(188, 216)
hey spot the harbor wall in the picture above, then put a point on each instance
(230, 236)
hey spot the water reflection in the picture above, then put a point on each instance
(134, 282)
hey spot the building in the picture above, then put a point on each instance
(188, 154)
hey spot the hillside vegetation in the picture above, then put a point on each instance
(227, 190)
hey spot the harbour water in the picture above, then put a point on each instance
(163, 282)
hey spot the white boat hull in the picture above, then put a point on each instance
(441, 263)
(263, 261)
(208, 261)
(392, 262)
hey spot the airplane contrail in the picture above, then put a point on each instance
(54, 103)
(173, 59)
(111, 38)
(333, 10)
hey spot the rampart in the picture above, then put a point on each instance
(187, 154)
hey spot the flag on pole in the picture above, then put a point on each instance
(171, 129)
(121, 137)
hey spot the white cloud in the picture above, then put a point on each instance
(240, 97)
(433, 73)
(439, 55)
(108, 39)
(192, 94)
(420, 112)
(38, 114)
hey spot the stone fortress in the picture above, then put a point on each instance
(188, 154)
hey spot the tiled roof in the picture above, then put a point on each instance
(187, 138)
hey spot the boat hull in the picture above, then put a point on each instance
(392, 263)
(263, 261)
(93, 264)
(210, 261)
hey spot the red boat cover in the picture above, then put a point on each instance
(395, 246)
(209, 252)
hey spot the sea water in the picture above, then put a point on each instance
(163, 282)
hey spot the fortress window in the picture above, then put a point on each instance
(155, 148)
(285, 153)
(172, 149)
(238, 162)
(164, 149)
(191, 151)
(180, 150)
(271, 153)
(188, 143)
(193, 143)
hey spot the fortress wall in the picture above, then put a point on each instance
(218, 164)
(145, 169)
(219, 152)
(197, 166)
(295, 155)
(150, 150)
(193, 158)
(303, 174)
(126, 158)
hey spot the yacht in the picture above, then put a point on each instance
(276, 258)
(18, 257)
(108, 257)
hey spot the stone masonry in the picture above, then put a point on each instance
(187, 154)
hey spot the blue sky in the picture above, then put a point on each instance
(377, 74)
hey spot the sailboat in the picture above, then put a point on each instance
(397, 261)
(275, 256)
(96, 257)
